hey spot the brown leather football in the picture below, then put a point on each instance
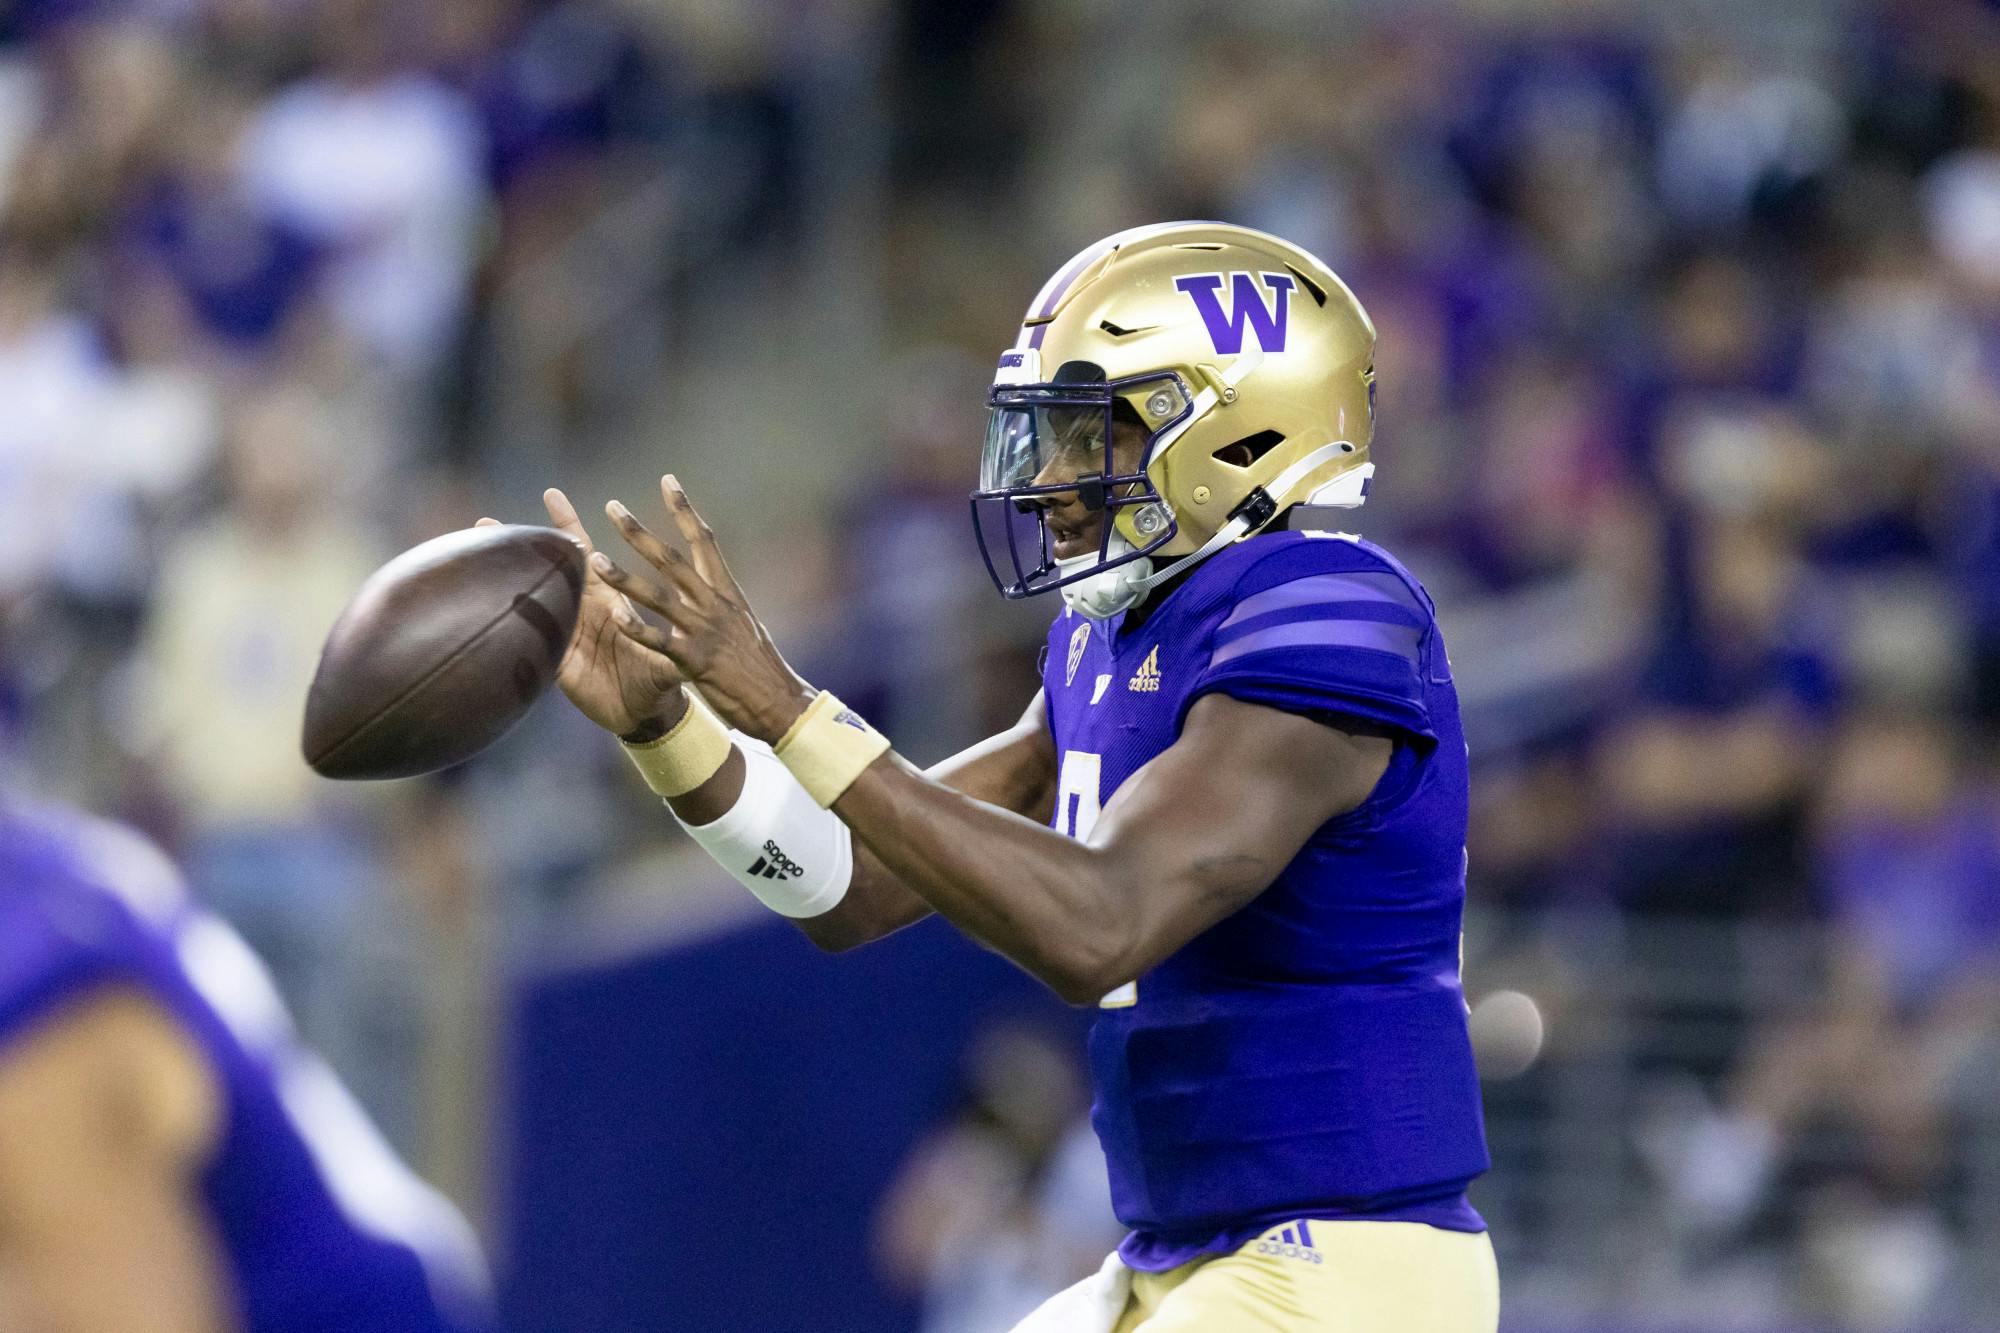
(442, 651)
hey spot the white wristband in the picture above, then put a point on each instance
(779, 843)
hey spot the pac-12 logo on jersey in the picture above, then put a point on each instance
(1247, 310)
(1077, 643)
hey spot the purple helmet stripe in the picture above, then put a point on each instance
(1053, 293)
(1046, 301)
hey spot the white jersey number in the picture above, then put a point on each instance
(1079, 801)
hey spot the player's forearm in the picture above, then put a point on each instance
(875, 903)
(1014, 770)
(1194, 835)
(108, 1113)
(162, 1301)
(147, 1266)
(1042, 899)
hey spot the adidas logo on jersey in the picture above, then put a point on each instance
(1294, 1242)
(774, 864)
(1146, 680)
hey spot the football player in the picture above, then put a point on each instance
(171, 1160)
(1233, 816)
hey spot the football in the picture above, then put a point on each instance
(443, 650)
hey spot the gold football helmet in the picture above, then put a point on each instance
(1247, 365)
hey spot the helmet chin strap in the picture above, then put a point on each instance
(1105, 594)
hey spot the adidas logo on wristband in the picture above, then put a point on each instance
(774, 864)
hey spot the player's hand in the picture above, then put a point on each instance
(616, 682)
(711, 634)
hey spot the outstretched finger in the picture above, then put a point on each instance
(635, 628)
(563, 514)
(699, 537)
(643, 591)
(647, 544)
(487, 523)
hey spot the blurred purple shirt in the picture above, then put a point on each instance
(1923, 900)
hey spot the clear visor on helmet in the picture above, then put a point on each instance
(1059, 443)
(1030, 443)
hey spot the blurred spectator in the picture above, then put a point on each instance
(921, 617)
(244, 601)
(562, 83)
(1743, 140)
(1008, 1202)
(243, 604)
(1907, 862)
(1895, 347)
(52, 372)
(108, 88)
(1707, 772)
(238, 270)
(378, 162)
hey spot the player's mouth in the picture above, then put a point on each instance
(1070, 541)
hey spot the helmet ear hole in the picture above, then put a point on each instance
(1246, 451)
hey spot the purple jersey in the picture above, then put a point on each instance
(1307, 1056)
(321, 1227)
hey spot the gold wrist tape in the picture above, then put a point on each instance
(687, 756)
(828, 746)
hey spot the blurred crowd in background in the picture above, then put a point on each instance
(1689, 417)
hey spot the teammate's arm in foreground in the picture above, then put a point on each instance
(1083, 916)
(635, 693)
(105, 1117)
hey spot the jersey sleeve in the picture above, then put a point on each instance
(59, 934)
(1326, 627)
(42, 966)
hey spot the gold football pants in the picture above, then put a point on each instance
(1327, 1277)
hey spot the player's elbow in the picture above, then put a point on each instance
(1074, 988)
(831, 936)
(840, 932)
(1089, 964)
(856, 922)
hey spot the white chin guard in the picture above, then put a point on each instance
(1106, 593)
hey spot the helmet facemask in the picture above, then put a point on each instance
(1060, 438)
